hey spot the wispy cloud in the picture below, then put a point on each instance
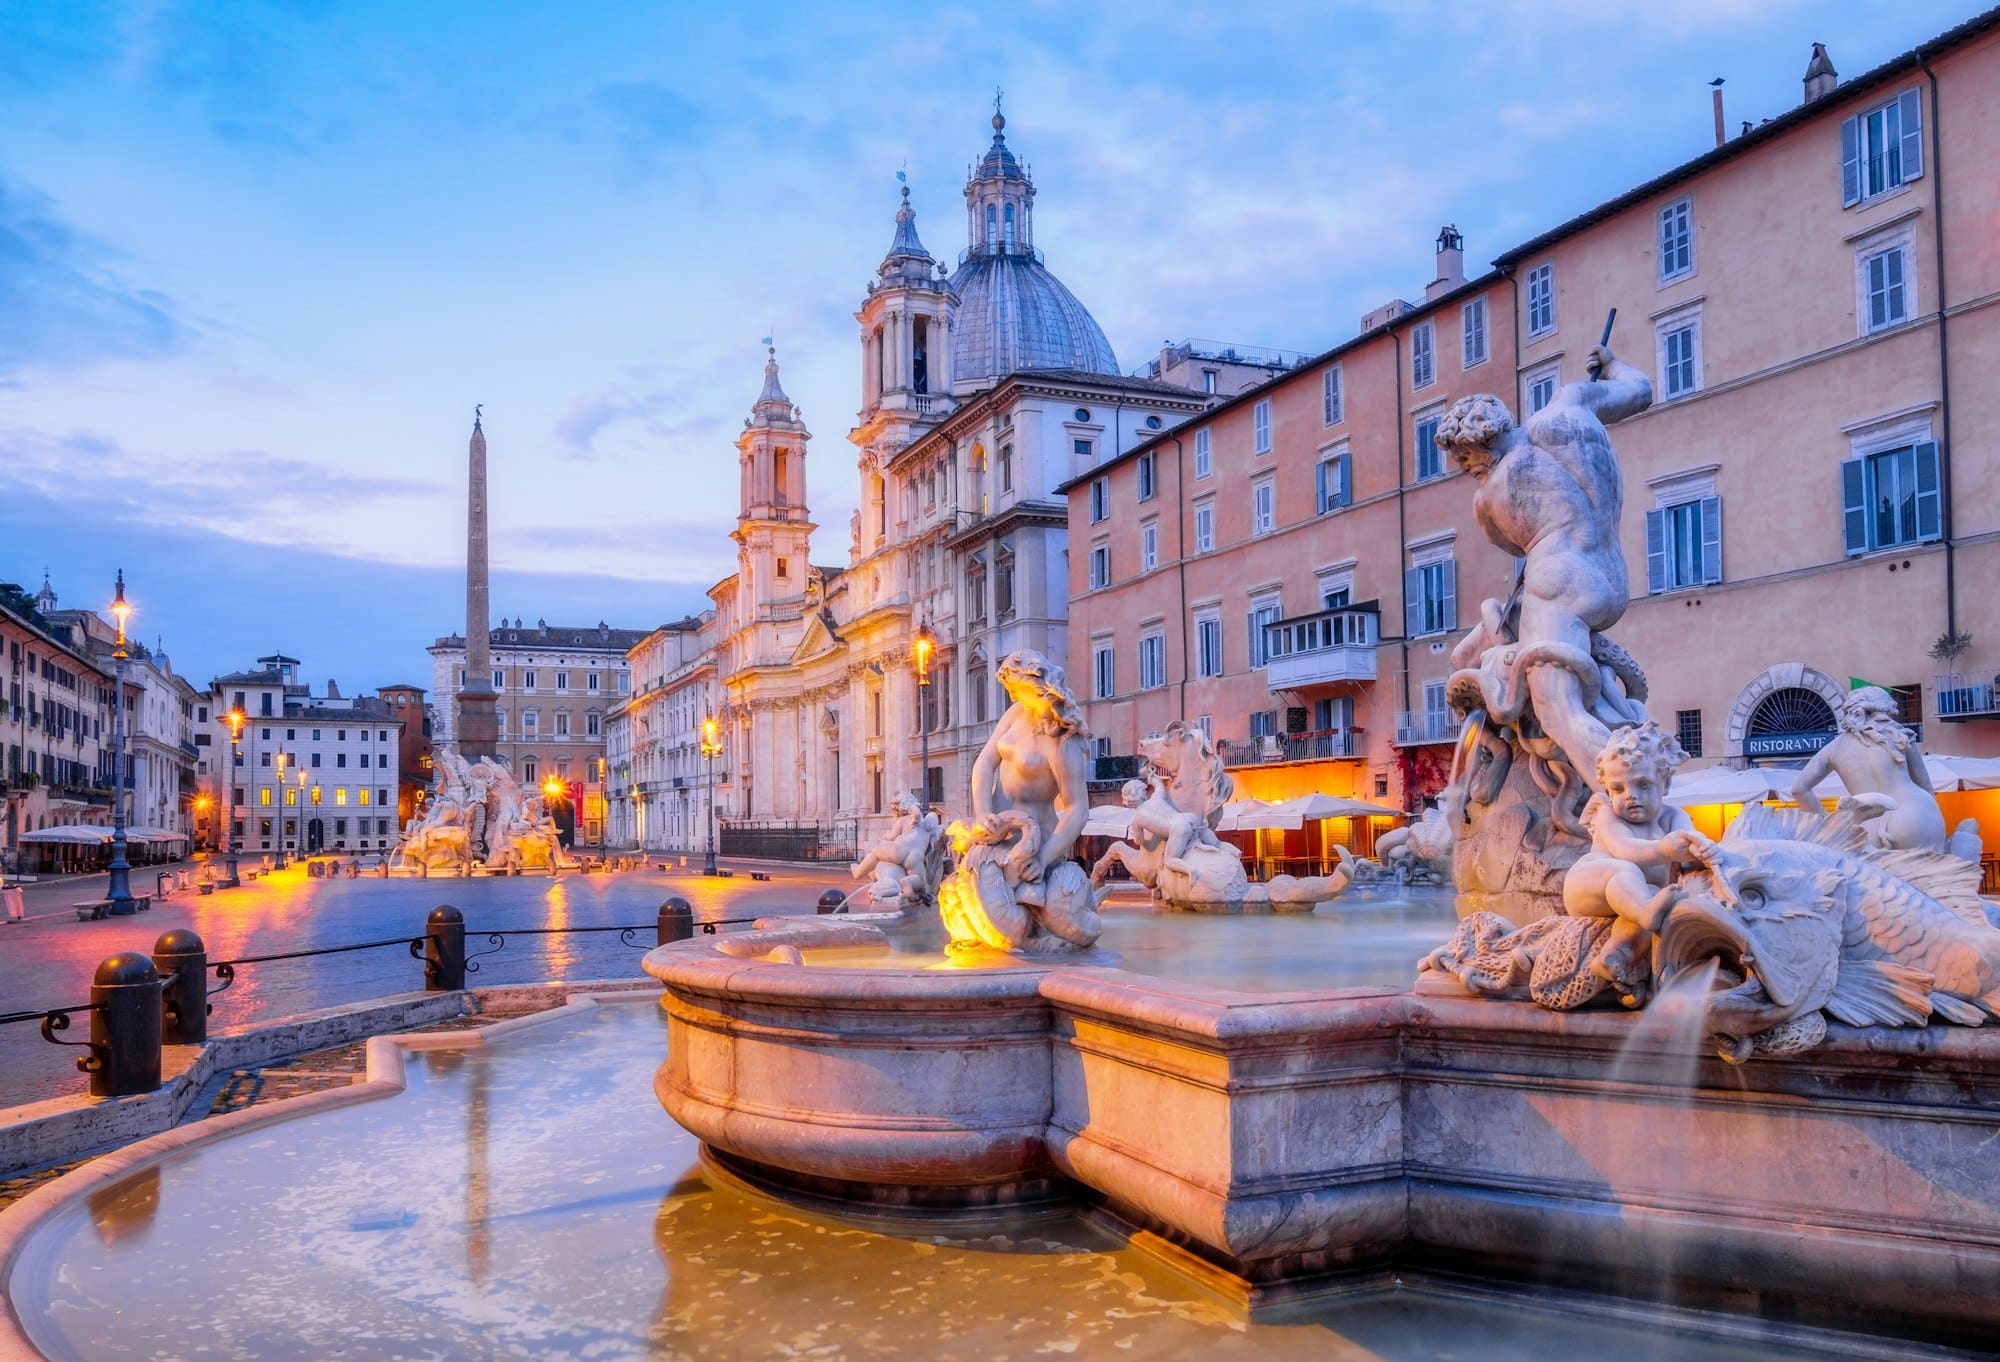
(62, 304)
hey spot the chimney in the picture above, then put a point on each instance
(1450, 263)
(1820, 75)
(1715, 89)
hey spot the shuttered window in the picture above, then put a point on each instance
(1891, 498)
(1430, 598)
(1684, 545)
(1881, 148)
(1334, 488)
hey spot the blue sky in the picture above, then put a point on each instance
(257, 263)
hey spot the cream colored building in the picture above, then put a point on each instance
(659, 784)
(1814, 496)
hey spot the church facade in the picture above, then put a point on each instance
(983, 389)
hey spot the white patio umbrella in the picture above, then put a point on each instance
(1107, 820)
(1314, 807)
(1248, 815)
(1949, 773)
(73, 834)
(1752, 785)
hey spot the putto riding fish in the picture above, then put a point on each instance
(1807, 921)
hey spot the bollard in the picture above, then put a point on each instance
(676, 920)
(182, 962)
(832, 901)
(124, 1027)
(444, 950)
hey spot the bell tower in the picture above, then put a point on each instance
(773, 526)
(1000, 199)
(906, 325)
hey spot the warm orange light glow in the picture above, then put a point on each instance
(236, 718)
(923, 650)
(552, 787)
(711, 736)
(201, 802)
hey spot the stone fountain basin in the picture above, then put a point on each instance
(1271, 1141)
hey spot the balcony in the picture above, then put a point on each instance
(1325, 646)
(1414, 730)
(1326, 744)
(1967, 696)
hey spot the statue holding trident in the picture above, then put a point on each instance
(1541, 683)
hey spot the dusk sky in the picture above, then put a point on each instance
(258, 263)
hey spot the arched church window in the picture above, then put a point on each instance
(780, 461)
(920, 379)
(1008, 239)
(992, 235)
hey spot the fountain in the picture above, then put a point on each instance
(479, 816)
(1743, 1076)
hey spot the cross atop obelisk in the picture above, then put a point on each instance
(478, 723)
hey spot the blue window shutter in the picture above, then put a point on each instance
(1854, 505)
(1346, 485)
(1929, 503)
(1656, 551)
(1850, 161)
(1910, 106)
(1711, 540)
(1323, 470)
(1449, 611)
(1413, 601)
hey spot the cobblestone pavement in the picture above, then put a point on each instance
(48, 962)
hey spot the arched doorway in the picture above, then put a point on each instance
(1787, 711)
(315, 836)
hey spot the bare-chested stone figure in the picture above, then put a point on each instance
(1550, 494)
(1876, 756)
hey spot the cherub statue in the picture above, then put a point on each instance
(1638, 844)
(1882, 766)
(905, 863)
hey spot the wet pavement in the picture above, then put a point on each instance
(49, 961)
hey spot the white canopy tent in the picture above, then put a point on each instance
(1314, 807)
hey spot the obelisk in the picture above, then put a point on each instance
(478, 724)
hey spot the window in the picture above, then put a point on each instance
(562, 723)
(784, 571)
(1083, 450)
(1334, 487)
(1891, 498)
(1437, 709)
(593, 724)
(1152, 661)
(1684, 545)
(1541, 388)
(1423, 355)
(1677, 240)
(1263, 611)
(1149, 546)
(1677, 336)
(1332, 410)
(1203, 465)
(1687, 730)
(1263, 506)
(1003, 580)
(1264, 723)
(499, 678)
(1100, 565)
(1430, 593)
(500, 716)
(527, 680)
(1147, 483)
(1542, 299)
(1885, 283)
(1260, 427)
(531, 722)
(1472, 329)
(562, 678)
(1208, 377)
(975, 589)
(1881, 149)
(1102, 671)
(1204, 526)
(1100, 500)
(590, 683)
(1006, 468)
(1430, 460)
(1208, 644)
(528, 770)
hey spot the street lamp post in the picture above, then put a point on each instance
(711, 743)
(281, 788)
(302, 813)
(923, 650)
(235, 719)
(120, 897)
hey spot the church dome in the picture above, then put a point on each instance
(1012, 313)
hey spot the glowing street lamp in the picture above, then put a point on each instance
(120, 896)
(281, 787)
(302, 812)
(923, 651)
(235, 719)
(711, 744)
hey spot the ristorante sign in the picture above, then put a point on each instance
(1786, 744)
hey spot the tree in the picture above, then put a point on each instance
(1951, 645)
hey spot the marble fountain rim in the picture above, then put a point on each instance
(387, 1070)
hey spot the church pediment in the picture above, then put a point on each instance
(817, 641)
